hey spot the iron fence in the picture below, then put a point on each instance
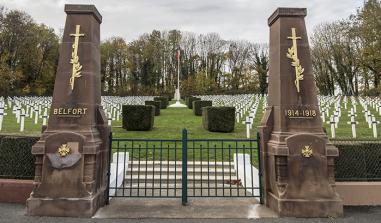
(185, 168)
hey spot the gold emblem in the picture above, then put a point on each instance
(307, 151)
(64, 150)
(77, 67)
(293, 55)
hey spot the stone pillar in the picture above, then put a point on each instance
(298, 159)
(72, 154)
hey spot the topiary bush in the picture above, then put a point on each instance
(358, 161)
(164, 101)
(198, 105)
(189, 101)
(138, 117)
(16, 159)
(218, 119)
(157, 105)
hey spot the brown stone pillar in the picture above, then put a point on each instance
(72, 154)
(298, 159)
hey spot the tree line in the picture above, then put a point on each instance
(208, 64)
(28, 55)
(345, 56)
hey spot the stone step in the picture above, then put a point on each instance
(177, 178)
(171, 171)
(178, 164)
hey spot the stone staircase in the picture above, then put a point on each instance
(165, 179)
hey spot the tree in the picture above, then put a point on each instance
(367, 24)
(28, 54)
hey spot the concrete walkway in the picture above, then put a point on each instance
(15, 213)
(206, 208)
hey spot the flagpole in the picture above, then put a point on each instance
(178, 73)
(177, 94)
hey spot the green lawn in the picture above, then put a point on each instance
(171, 121)
(168, 125)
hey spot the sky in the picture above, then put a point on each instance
(231, 19)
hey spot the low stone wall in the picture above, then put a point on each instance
(360, 193)
(15, 191)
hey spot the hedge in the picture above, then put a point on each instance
(198, 105)
(164, 101)
(138, 117)
(16, 159)
(189, 101)
(218, 119)
(157, 105)
(358, 161)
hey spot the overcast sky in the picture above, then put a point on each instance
(232, 19)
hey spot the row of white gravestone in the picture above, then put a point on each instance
(35, 108)
(327, 102)
(112, 105)
(246, 107)
(369, 116)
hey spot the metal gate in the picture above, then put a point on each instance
(183, 168)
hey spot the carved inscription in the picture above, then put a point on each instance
(69, 112)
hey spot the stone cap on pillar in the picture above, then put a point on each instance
(287, 12)
(83, 9)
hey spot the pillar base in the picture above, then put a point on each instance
(301, 208)
(65, 207)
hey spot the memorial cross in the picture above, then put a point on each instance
(374, 125)
(323, 114)
(22, 120)
(18, 111)
(36, 115)
(248, 127)
(369, 115)
(109, 119)
(353, 124)
(336, 118)
(44, 117)
(332, 122)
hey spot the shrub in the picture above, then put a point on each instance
(358, 161)
(189, 101)
(218, 119)
(163, 100)
(16, 159)
(198, 105)
(138, 117)
(157, 105)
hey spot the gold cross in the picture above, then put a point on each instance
(293, 37)
(307, 151)
(77, 67)
(293, 55)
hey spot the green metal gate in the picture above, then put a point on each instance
(183, 168)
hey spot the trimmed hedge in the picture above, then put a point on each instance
(358, 161)
(16, 159)
(157, 105)
(218, 119)
(189, 101)
(198, 105)
(164, 101)
(138, 117)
